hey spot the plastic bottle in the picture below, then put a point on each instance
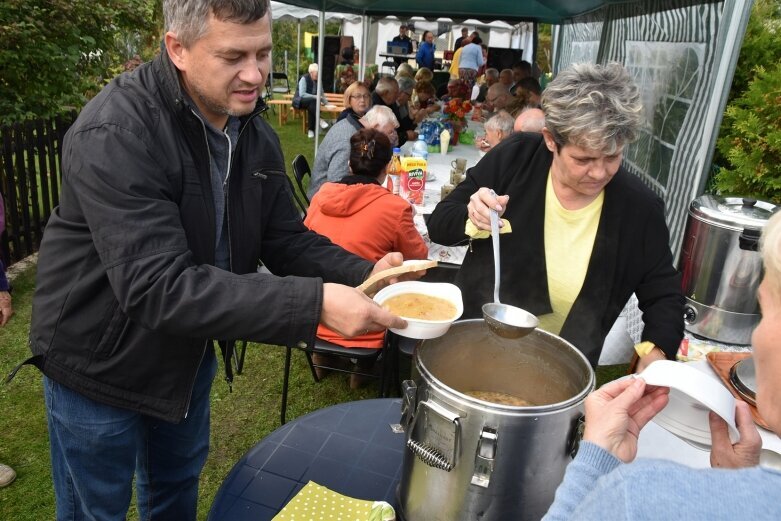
(420, 147)
(394, 172)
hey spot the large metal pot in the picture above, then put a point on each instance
(469, 459)
(721, 267)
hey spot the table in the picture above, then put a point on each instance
(349, 448)
(410, 56)
(352, 449)
(439, 165)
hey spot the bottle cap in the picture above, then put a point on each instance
(396, 150)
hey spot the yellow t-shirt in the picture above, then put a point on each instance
(569, 240)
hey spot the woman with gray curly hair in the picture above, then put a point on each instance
(580, 233)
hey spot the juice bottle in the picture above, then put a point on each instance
(394, 172)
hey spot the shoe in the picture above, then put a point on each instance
(310, 134)
(7, 475)
(323, 124)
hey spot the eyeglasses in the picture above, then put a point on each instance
(359, 96)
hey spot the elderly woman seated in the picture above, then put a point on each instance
(356, 100)
(602, 483)
(581, 232)
(499, 127)
(331, 161)
(359, 214)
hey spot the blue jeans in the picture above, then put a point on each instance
(96, 450)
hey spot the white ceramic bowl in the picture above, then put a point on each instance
(417, 328)
(693, 393)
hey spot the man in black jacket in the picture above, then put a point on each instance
(174, 189)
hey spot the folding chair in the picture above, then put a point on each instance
(390, 65)
(279, 83)
(300, 171)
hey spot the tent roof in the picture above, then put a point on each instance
(284, 11)
(547, 11)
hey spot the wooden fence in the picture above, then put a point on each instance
(30, 179)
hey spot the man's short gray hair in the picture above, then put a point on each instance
(492, 73)
(406, 84)
(385, 85)
(378, 116)
(189, 19)
(597, 107)
(502, 122)
(313, 67)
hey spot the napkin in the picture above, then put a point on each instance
(476, 233)
(315, 502)
(722, 363)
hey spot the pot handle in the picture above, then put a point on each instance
(577, 435)
(426, 452)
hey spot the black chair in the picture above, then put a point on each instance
(300, 171)
(279, 83)
(395, 347)
(321, 347)
(389, 64)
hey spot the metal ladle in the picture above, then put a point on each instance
(505, 320)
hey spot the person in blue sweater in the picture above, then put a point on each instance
(603, 482)
(425, 55)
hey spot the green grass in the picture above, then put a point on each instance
(239, 419)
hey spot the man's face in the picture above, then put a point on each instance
(496, 99)
(389, 129)
(767, 357)
(517, 75)
(314, 74)
(402, 31)
(403, 97)
(390, 96)
(225, 69)
(493, 137)
(430, 37)
(580, 173)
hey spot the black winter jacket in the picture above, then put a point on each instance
(631, 250)
(127, 295)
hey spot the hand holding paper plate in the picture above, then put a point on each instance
(693, 394)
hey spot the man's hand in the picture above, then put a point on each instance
(350, 313)
(6, 308)
(480, 204)
(744, 453)
(391, 260)
(617, 412)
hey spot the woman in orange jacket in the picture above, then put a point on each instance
(361, 215)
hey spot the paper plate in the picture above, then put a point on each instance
(693, 394)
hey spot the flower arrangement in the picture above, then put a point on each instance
(457, 106)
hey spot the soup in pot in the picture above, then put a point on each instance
(420, 306)
(500, 398)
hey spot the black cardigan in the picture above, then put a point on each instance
(631, 250)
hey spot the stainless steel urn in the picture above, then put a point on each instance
(470, 459)
(721, 267)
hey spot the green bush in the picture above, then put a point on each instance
(56, 54)
(752, 145)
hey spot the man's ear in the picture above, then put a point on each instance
(176, 51)
(549, 142)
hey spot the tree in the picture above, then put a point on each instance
(56, 54)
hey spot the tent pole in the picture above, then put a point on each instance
(364, 44)
(320, 48)
(298, 50)
(535, 43)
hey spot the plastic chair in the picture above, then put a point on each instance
(300, 171)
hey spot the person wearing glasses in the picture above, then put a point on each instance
(357, 100)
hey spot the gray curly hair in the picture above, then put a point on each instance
(189, 19)
(597, 107)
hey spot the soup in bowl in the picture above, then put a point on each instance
(429, 308)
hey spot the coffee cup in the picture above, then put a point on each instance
(459, 164)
